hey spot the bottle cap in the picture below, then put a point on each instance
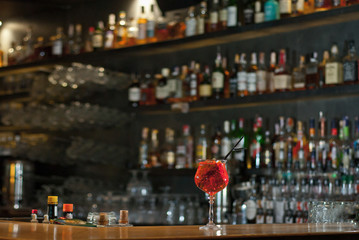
(34, 211)
(67, 207)
(52, 200)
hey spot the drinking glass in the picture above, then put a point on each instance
(211, 177)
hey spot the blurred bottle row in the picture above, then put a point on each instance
(247, 77)
(208, 16)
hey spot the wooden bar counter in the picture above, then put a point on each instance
(39, 231)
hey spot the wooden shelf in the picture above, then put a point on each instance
(334, 16)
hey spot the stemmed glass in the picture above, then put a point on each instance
(211, 177)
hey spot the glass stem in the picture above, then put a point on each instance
(210, 212)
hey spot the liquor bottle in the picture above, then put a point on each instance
(184, 150)
(232, 20)
(237, 131)
(242, 77)
(252, 75)
(271, 9)
(216, 144)
(323, 147)
(227, 75)
(154, 154)
(202, 18)
(121, 30)
(143, 152)
(271, 71)
(262, 75)
(312, 144)
(298, 75)
(150, 25)
(172, 83)
(223, 15)
(299, 8)
(279, 145)
(162, 90)
(290, 137)
(248, 13)
(346, 150)
(309, 6)
(161, 30)
(322, 68)
(350, 65)
(88, 42)
(205, 87)
(183, 85)
(257, 144)
(214, 16)
(202, 151)
(268, 151)
(260, 217)
(334, 68)
(356, 142)
(191, 22)
(69, 47)
(58, 43)
(142, 25)
(300, 151)
(218, 78)
(312, 72)
(334, 145)
(169, 158)
(134, 93)
(176, 27)
(252, 205)
(193, 83)
(259, 13)
(110, 32)
(78, 44)
(225, 141)
(148, 91)
(323, 5)
(233, 81)
(285, 8)
(97, 37)
(282, 78)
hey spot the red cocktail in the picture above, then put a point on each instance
(211, 177)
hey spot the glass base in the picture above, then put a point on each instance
(210, 226)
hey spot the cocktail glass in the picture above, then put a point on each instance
(211, 177)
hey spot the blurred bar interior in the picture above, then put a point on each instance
(108, 105)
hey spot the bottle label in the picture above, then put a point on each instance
(217, 80)
(109, 39)
(300, 5)
(282, 82)
(193, 87)
(205, 90)
(261, 80)
(170, 158)
(270, 11)
(181, 149)
(242, 81)
(191, 27)
(150, 29)
(311, 70)
(200, 25)
(233, 86)
(57, 48)
(97, 41)
(134, 94)
(271, 82)
(162, 92)
(141, 31)
(259, 17)
(225, 146)
(269, 204)
(232, 16)
(269, 219)
(285, 6)
(333, 73)
(259, 219)
(201, 152)
(252, 82)
(248, 15)
(172, 86)
(223, 15)
(213, 17)
(350, 73)
(251, 209)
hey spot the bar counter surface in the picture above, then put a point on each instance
(22, 230)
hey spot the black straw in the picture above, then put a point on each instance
(233, 148)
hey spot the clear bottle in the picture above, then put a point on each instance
(252, 75)
(312, 144)
(162, 89)
(334, 68)
(97, 37)
(323, 147)
(134, 93)
(142, 25)
(251, 204)
(172, 84)
(242, 77)
(184, 150)
(298, 75)
(240, 157)
(143, 152)
(150, 25)
(282, 78)
(191, 22)
(218, 78)
(268, 152)
(350, 65)
(154, 153)
(110, 32)
(58, 43)
(194, 83)
(262, 78)
(121, 30)
(202, 146)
